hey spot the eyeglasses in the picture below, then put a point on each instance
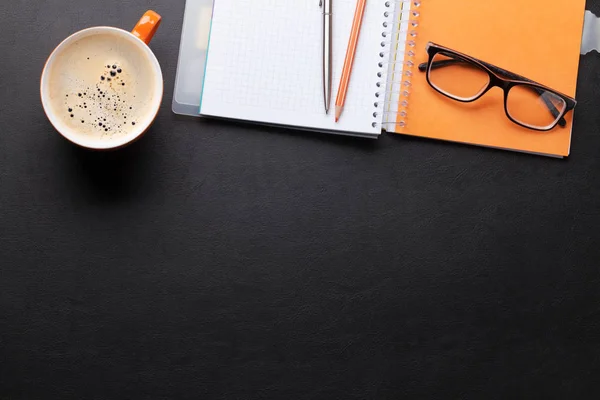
(466, 79)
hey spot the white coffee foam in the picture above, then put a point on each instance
(102, 108)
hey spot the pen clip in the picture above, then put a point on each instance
(320, 3)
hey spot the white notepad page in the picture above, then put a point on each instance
(265, 64)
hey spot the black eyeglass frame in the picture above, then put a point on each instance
(495, 80)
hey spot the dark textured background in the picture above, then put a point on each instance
(220, 261)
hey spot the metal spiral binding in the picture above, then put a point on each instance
(405, 27)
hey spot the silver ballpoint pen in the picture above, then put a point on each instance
(327, 50)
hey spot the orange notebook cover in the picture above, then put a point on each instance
(538, 39)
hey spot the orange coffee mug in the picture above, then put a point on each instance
(102, 87)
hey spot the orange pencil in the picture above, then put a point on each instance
(350, 53)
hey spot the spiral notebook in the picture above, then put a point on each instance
(265, 58)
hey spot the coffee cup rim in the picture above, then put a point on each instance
(94, 143)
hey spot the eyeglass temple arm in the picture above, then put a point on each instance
(555, 113)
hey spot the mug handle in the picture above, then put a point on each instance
(147, 26)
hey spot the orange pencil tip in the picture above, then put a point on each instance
(338, 113)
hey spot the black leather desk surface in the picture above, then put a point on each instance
(219, 261)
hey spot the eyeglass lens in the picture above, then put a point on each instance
(456, 77)
(534, 107)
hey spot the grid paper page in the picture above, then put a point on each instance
(265, 64)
